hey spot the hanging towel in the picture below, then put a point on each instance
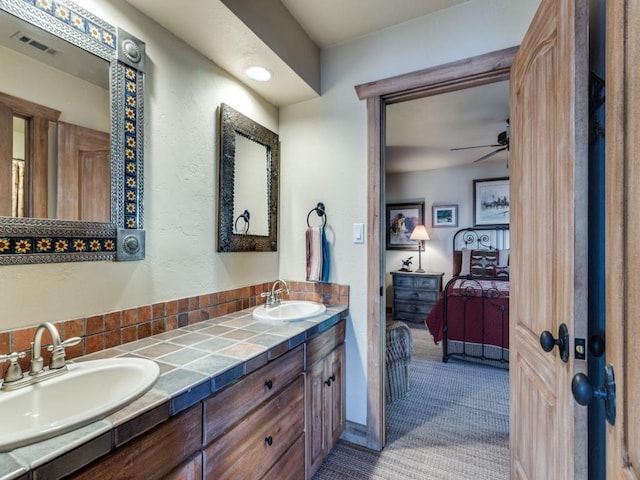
(314, 254)
(326, 261)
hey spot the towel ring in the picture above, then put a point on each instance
(245, 216)
(321, 213)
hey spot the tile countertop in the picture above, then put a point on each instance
(195, 361)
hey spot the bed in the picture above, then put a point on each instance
(471, 318)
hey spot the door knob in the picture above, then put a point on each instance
(584, 392)
(547, 342)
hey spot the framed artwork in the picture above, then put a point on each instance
(491, 201)
(444, 216)
(401, 220)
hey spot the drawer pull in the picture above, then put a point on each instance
(268, 384)
(268, 440)
(332, 378)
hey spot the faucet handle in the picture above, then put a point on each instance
(14, 372)
(69, 342)
(57, 359)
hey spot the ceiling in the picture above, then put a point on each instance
(330, 22)
(420, 133)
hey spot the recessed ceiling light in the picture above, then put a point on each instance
(259, 74)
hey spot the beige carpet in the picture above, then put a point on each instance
(453, 424)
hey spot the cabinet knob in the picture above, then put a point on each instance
(332, 378)
(268, 384)
(268, 440)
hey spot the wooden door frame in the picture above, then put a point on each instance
(470, 72)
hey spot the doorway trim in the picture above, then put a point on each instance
(470, 72)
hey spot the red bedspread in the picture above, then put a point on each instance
(477, 312)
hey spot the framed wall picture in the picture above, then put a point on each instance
(444, 216)
(491, 201)
(401, 220)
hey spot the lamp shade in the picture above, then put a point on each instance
(419, 233)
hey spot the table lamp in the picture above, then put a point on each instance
(419, 233)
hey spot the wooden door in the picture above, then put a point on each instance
(84, 174)
(6, 150)
(622, 232)
(548, 163)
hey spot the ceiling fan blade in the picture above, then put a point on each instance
(489, 155)
(477, 146)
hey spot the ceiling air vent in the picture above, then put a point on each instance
(32, 42)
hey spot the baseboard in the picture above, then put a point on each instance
(355, 433)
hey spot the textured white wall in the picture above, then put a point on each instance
(183, 93)
(324, 144)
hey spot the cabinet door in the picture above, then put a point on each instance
(334, 396)
(315, 438)
(326, 418)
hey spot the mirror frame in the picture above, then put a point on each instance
(233, 122)
(35, 240)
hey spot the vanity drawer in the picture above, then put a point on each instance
(291, 464)
(225, 408)
(253, 446)
(325, 343)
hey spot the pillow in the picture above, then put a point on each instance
(502, 272)
(466, 262)
(483, 262)
(503, 258)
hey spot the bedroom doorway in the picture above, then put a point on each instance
(485, 69)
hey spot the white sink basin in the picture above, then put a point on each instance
(289, 311)
(87, 392)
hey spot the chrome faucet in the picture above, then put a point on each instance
(273, 297)
(14, 378)
(57, 359)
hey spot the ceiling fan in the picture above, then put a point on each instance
(503, 144)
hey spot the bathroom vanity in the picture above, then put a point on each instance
(236, 398)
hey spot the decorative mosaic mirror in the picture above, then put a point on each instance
(101, 218)
(249, 181)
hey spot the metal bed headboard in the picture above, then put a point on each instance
(494, 237)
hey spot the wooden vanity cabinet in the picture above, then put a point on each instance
(250, 425)
(154, 454)
(278, 422)
(325, 400)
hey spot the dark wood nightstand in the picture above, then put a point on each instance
(415, 294)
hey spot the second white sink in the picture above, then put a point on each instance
(289, 311)
(87, 392)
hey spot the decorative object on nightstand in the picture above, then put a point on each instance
(419, 233)
(415, 294)
(405, 265)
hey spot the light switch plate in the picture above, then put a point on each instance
(358, 233)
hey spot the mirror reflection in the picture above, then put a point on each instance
(54, 127)
(250, 187)
(249, 176)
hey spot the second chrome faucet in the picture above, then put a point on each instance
(273, 297)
